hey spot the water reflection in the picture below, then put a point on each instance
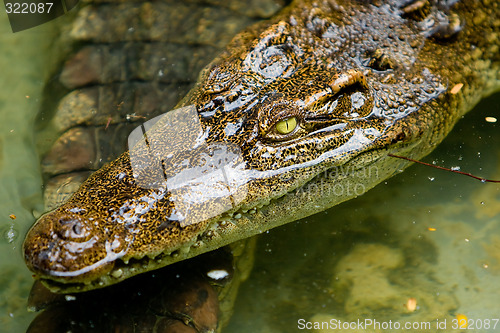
(171, 152)
(179, 298)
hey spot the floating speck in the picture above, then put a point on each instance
(11, 234)
(455, 168)
(462, 320)
(411, 304)
(217, 274)
(456, 88)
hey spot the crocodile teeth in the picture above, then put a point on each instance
(152, 255)
(185, 249)
(117, 273)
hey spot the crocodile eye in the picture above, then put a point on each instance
(286, 126)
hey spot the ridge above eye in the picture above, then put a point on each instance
(346, 79)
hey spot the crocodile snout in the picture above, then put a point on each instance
(56, 240)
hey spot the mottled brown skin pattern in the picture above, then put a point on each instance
(362, 79)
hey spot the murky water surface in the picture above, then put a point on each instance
(24, 64)
(424, 236)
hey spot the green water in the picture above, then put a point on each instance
(365, 258)
(24, 59)
(362, 259)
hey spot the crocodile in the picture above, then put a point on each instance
(298, 114)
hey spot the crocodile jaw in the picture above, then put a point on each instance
(325, 190)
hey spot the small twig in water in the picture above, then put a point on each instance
(109, 122)
(484, 180)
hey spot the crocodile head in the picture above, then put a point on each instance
(297, 115)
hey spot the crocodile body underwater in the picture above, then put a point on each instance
(298, 114)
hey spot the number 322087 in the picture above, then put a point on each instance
(475, 324)
(28, 8)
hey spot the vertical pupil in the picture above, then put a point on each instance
(286, 126)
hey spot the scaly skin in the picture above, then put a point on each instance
(361, 79)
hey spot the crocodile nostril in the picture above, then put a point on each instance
(73, 229)
(77, 229)
(64, 221)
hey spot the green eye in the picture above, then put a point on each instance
(286, 126)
